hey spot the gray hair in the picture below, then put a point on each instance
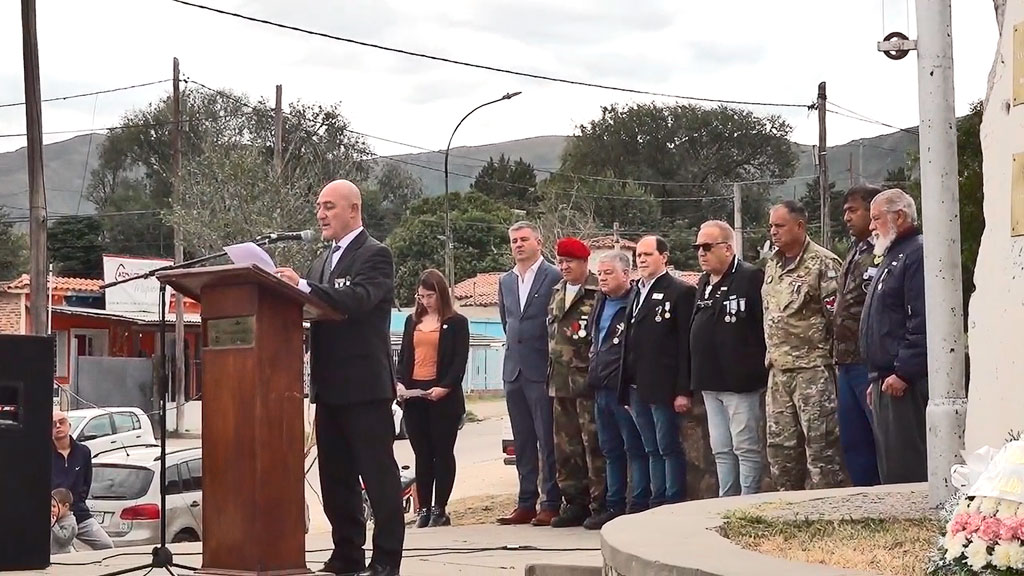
(728, 234)
(896, 200)
(617, 257)
(524, 225)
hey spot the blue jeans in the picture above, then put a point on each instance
(621, 443)
(659, 428)
(856, 438)
(735, 426)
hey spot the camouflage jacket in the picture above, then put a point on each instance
(799, 302)
(854, 280)
(570, 329)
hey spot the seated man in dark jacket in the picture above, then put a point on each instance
(892, 338)
(616, 431)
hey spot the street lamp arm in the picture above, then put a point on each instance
(470, 113)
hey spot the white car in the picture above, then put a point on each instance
(125, 495)
(106, 429)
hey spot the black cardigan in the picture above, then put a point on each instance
(452, 354)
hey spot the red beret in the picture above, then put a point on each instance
(572, 248)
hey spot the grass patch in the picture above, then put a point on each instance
(896, 547)
(472, 417)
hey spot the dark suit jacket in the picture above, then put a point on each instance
(656, 355)
(452, 357)
(350, 359)
(526, 332)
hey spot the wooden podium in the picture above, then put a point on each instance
(252, 370)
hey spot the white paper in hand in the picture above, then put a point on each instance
(412, 393)
(250, 253)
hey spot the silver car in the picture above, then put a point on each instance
(125, 495)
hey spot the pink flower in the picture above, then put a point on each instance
(957, 524)
(1008, 530)
(1018, 523)
(973, 523)
(990, 529)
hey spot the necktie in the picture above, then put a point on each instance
(326, 273)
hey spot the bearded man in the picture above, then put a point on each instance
(893, 341)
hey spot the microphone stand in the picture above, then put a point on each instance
(162, 556)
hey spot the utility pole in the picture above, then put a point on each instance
(615, 236)
(851, 170)
(278, 131)
(860, 164)
(38, 303)
(737, 217)
(179, 256)
(823, 166)
(940, 211)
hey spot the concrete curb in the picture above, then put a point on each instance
(562, 570)
(679, 540)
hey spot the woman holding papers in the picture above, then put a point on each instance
(431, 365)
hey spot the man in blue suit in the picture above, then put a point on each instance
(523, 296)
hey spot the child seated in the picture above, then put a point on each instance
(63, 527)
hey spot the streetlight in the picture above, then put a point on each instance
(449, 259)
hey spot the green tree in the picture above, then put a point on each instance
(76, 246)
(972, 195)
(682, 151)
(514, 184)
(13, 248)
(390, 194)
(811, 201)
(479, 232)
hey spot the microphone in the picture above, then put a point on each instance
(307, 236)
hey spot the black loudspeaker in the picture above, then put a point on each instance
(26, 424)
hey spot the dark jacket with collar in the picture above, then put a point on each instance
(452, 358)
(656, 358)
(727, 347)
(350, 359)
(606, 357)
(526, 331)
(854, 282)
(74, 474)
(892, 329)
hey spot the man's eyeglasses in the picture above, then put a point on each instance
(707, 246)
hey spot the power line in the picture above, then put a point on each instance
(543, 170)
(85, 94)
(486, 67)
(142, 125)
(855, 116)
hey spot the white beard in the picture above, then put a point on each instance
(882, 243)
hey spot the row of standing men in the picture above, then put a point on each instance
(815, 364)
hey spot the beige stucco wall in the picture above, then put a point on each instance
(996, 330)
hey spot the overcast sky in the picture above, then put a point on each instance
(752, 50)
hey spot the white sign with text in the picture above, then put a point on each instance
(139, 295)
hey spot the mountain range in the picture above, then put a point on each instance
(67, 165)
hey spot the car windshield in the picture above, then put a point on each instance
(74, 421)
(120, 482)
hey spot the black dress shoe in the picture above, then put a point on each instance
(379, 570)
(332, 567)
(438, 517)
(423, 517)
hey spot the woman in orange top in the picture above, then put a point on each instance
(432, 361)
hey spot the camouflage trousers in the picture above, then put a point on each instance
(803, 429)
(579, 462)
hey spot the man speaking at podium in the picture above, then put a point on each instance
(352, 386)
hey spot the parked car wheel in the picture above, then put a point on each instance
(185, 536)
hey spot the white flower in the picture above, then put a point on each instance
(1020, 512)
(1016, 552)
(989, 506)
(1001, 556)
(1007, 509)
(955, 546)
(975, 504)
(962, 507)
(977, 554)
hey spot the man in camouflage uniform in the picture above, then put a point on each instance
(799, 297)
(579, 461)
(855, 434)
